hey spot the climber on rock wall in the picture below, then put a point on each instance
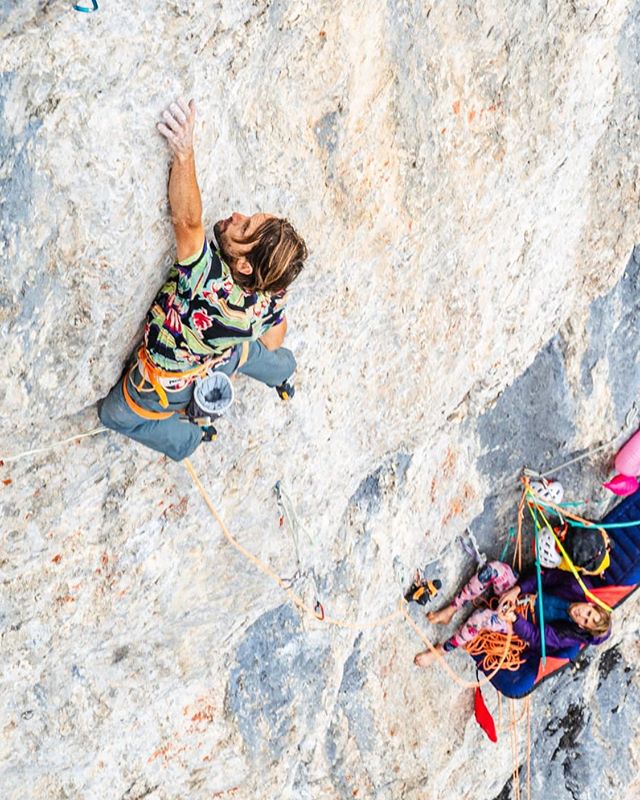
(568, 619)
(221, 308)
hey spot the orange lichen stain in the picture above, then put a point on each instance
(104, 559)
(455, 107)
(443, 130)
(161, 752)
(66, 598)
(56, 559)
(458, 503)
(207, 714)
(355, 792)
(432, 495)
(176, 510)
(449, 463)
(471, 116)
(7, 481)
(322, 34)
(226, 792)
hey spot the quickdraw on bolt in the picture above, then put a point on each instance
(318, 610)
(86, 10)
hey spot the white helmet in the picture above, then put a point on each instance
(548, 491)
(547, 553)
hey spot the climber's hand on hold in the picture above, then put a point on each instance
(177, 127)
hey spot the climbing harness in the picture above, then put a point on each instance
(138, 409)
(212, 394)
(162, 379)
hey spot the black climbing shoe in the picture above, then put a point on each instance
(209, 433)
(422, 591)
(286, 390)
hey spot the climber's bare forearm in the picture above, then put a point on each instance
(186, 206)
(184, 193)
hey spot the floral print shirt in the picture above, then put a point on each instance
(201, 313)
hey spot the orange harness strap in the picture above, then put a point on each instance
(141, 412)
(155, 374)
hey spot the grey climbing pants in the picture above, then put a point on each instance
(175, 436)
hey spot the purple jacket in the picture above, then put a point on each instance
(557, 636)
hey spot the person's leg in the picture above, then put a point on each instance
(483, 619)
(272, 367)
(172, 436)
(495, 573)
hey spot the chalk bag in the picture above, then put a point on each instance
(212, 396)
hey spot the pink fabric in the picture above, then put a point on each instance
(494, 573)
(502, 578)
(483, 619)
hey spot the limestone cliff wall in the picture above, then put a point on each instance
(465, 174)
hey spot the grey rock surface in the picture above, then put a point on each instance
(466, 177)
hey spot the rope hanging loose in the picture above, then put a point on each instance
(318, 613)
(52, 446)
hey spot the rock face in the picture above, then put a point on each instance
(466, 180)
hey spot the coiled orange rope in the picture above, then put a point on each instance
(492, 644)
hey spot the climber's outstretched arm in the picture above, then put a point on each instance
(184, 194)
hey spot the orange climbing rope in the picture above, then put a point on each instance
(517, 553)
(491, 645)
(377, 622)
